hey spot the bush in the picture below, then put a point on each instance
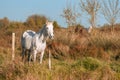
(115, 67)
(1, 59)
(90, 63)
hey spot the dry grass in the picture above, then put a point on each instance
(75, 56)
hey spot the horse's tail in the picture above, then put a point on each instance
(22, 39)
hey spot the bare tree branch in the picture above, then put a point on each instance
(71, 15)
(91, 7)
(111, 11)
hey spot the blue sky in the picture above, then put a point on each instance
(19, 10)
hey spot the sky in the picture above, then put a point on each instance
(20, 10)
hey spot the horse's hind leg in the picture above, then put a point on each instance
(29, 56)
(23, 54)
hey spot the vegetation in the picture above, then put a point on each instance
(109, 9)
(76, 55)
(71, 15)
(91, 7)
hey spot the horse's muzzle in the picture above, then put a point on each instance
(51, 37)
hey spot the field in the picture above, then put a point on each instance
(76, 55)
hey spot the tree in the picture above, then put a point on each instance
(111, 11)
(71, 15)
(30, 22)
(36, 20)
(4, 22)
(91, 7)
(55, 24)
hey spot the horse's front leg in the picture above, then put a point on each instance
(41, 57)
(34, 54)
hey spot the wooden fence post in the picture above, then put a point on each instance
(49, 60)
(13, 46)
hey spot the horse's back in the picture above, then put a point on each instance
(26, 39)
(28, 33)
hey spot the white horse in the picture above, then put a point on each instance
(38, 41)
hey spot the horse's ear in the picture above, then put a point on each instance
(52, 22)
(47, 21)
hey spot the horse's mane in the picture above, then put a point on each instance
(41, 31)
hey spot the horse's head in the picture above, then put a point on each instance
(49, 29)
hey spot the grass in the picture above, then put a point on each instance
(74, 57)
(83, 69)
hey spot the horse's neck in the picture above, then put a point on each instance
(41, 35)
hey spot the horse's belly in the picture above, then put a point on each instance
(41, 47)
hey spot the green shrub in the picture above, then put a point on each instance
(1, 59)
(115, 67)
(90, 63)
